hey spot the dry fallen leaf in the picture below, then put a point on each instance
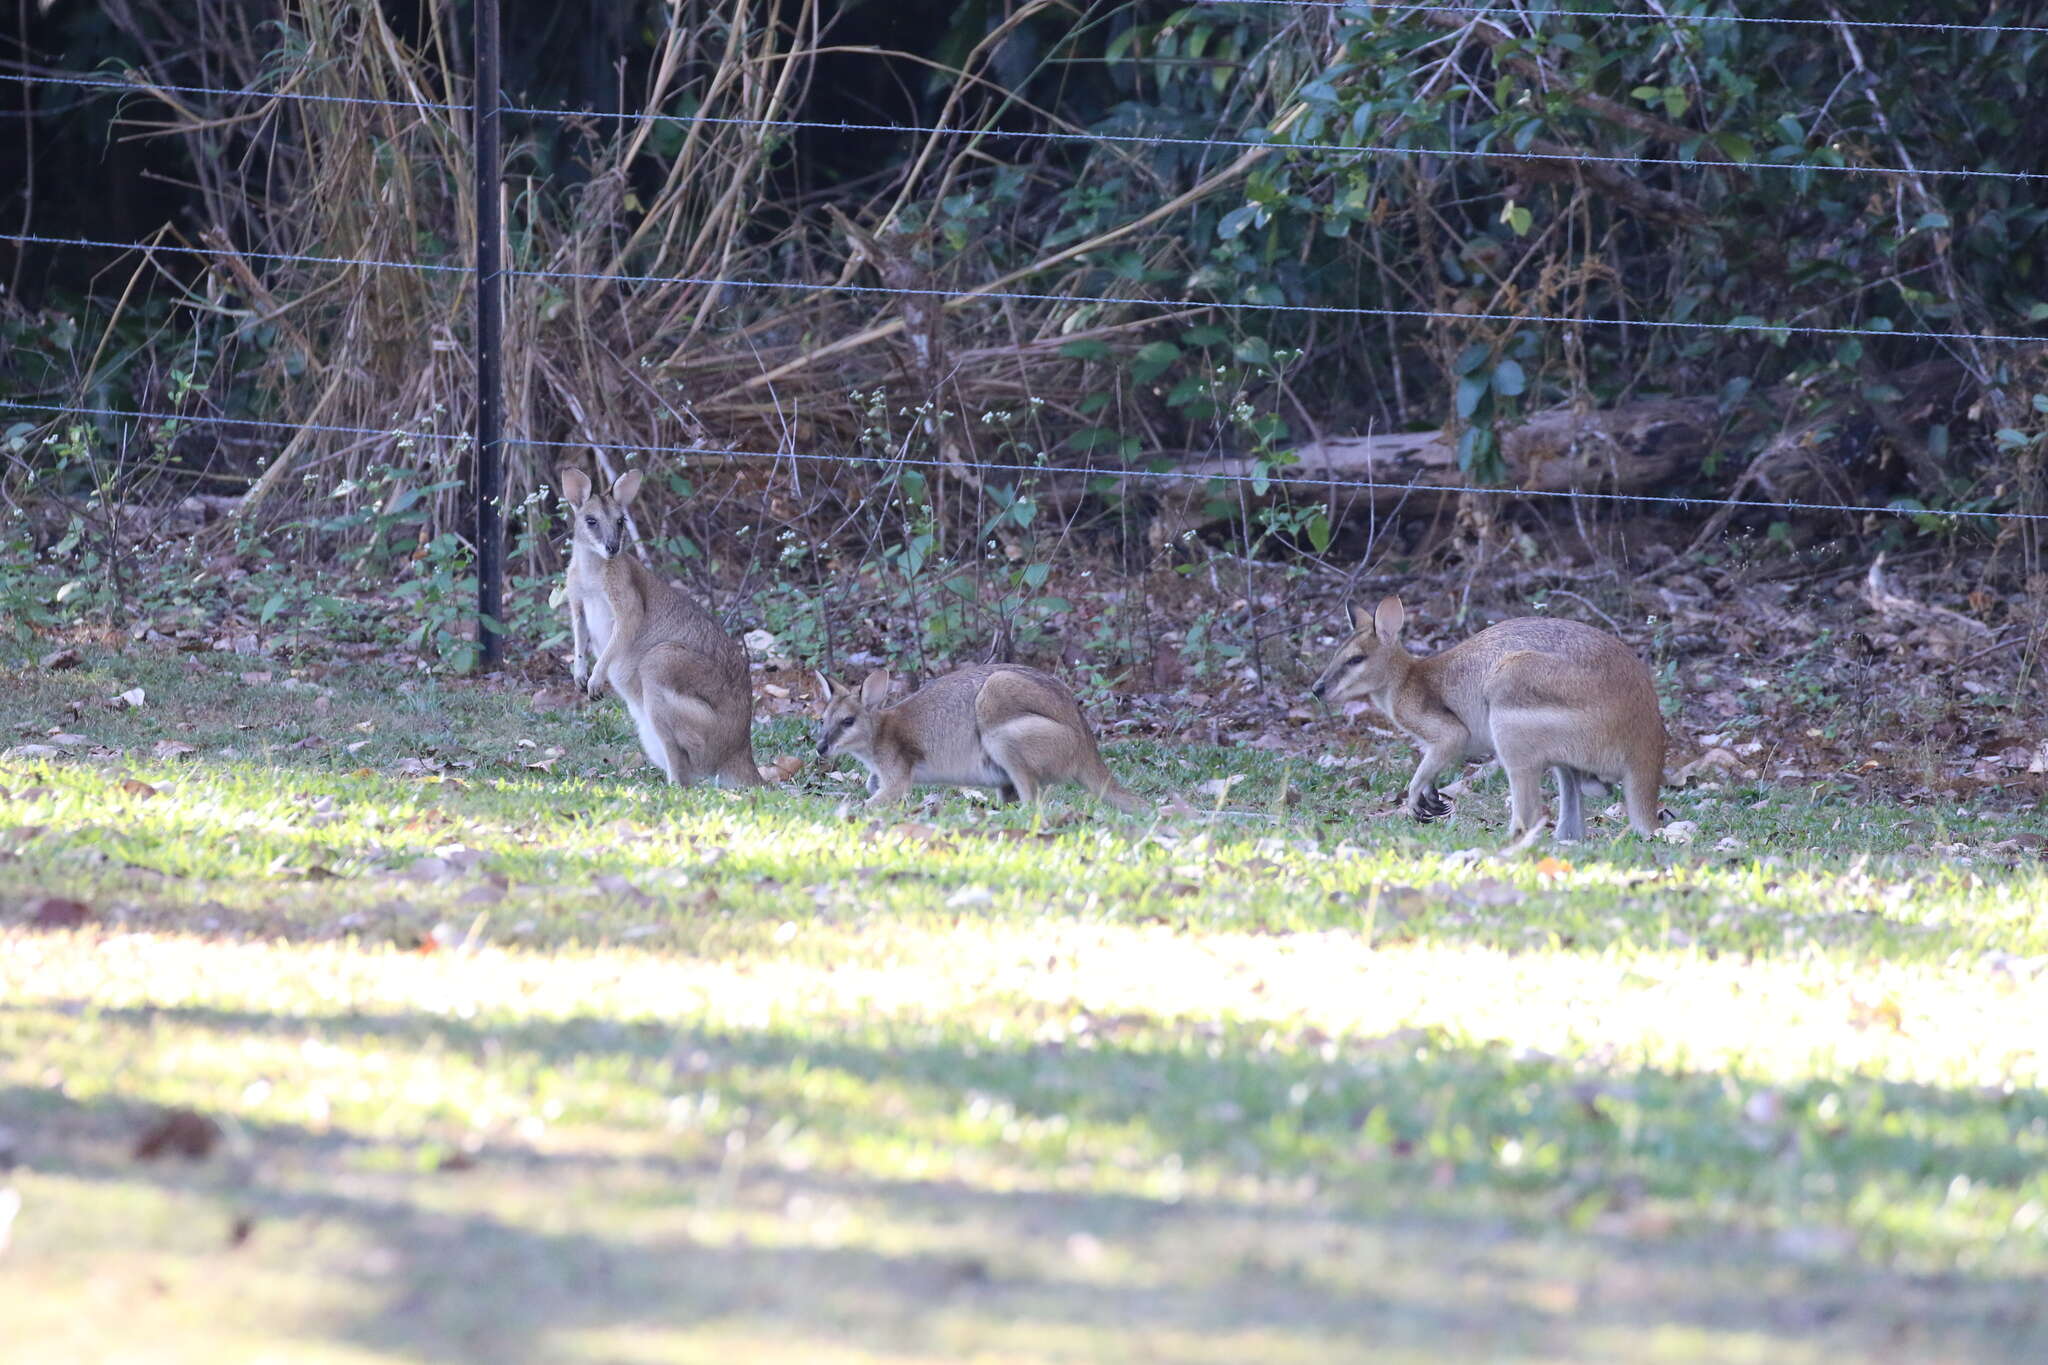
(430, 869)
(135, 786)
(178, 1132)
(32, 751)
(60, 659)
(1868, 1010)
(1679, 832)
(1487, 891)
(133, 697)
(783, 769)
(612, 884)
(58, 912)
(167, 749)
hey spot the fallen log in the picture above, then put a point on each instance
(1774, 447)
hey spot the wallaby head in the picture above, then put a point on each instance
(846, 719)
(598, 519)
(1372, 660)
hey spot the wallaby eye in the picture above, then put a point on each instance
(1354, 661)
(591, 522)
(846, 724)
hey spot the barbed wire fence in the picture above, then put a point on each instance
(488, 272)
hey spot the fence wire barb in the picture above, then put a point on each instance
(1033, 135)
(1631, 15)
(1271, 478)
(967, 295)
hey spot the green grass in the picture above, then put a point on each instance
(557, 1065)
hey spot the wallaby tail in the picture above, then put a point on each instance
(1124, 799)
(1103, 784)
(1639, 795)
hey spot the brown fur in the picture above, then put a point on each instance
(683, 679)
(1539, 692)
(1003, 726)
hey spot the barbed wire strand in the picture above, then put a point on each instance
(1276, 477)
(1034, 135)
(965, 295)
(1631, 15)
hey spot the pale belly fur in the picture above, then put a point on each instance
(597, 622)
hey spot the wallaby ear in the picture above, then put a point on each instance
(575, 484)
(826, 691)
(1388, 618)
(1359, 618)
(625, 486)
(874, 689)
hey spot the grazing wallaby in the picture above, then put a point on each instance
(1538, 692)
(682, 678)
(993, 725)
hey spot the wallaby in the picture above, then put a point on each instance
(683, 679)
(1540, 693)
(993, 725)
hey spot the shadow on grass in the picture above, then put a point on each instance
(1328, 1202)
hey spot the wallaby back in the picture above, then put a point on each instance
(1540, 692)
(1004, 726)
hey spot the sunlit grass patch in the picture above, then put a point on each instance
(1286, 1073)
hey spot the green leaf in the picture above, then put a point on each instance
(1240, 218)
(1508, 379)
(1318, 530)
(1472, 357)
(1153, 360)
(1471, 392)
(1735, 147)
(1088, 348)
(1204, 336)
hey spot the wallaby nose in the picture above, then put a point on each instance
(1317, 690)
(825, 748)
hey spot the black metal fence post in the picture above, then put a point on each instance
(490, 328)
